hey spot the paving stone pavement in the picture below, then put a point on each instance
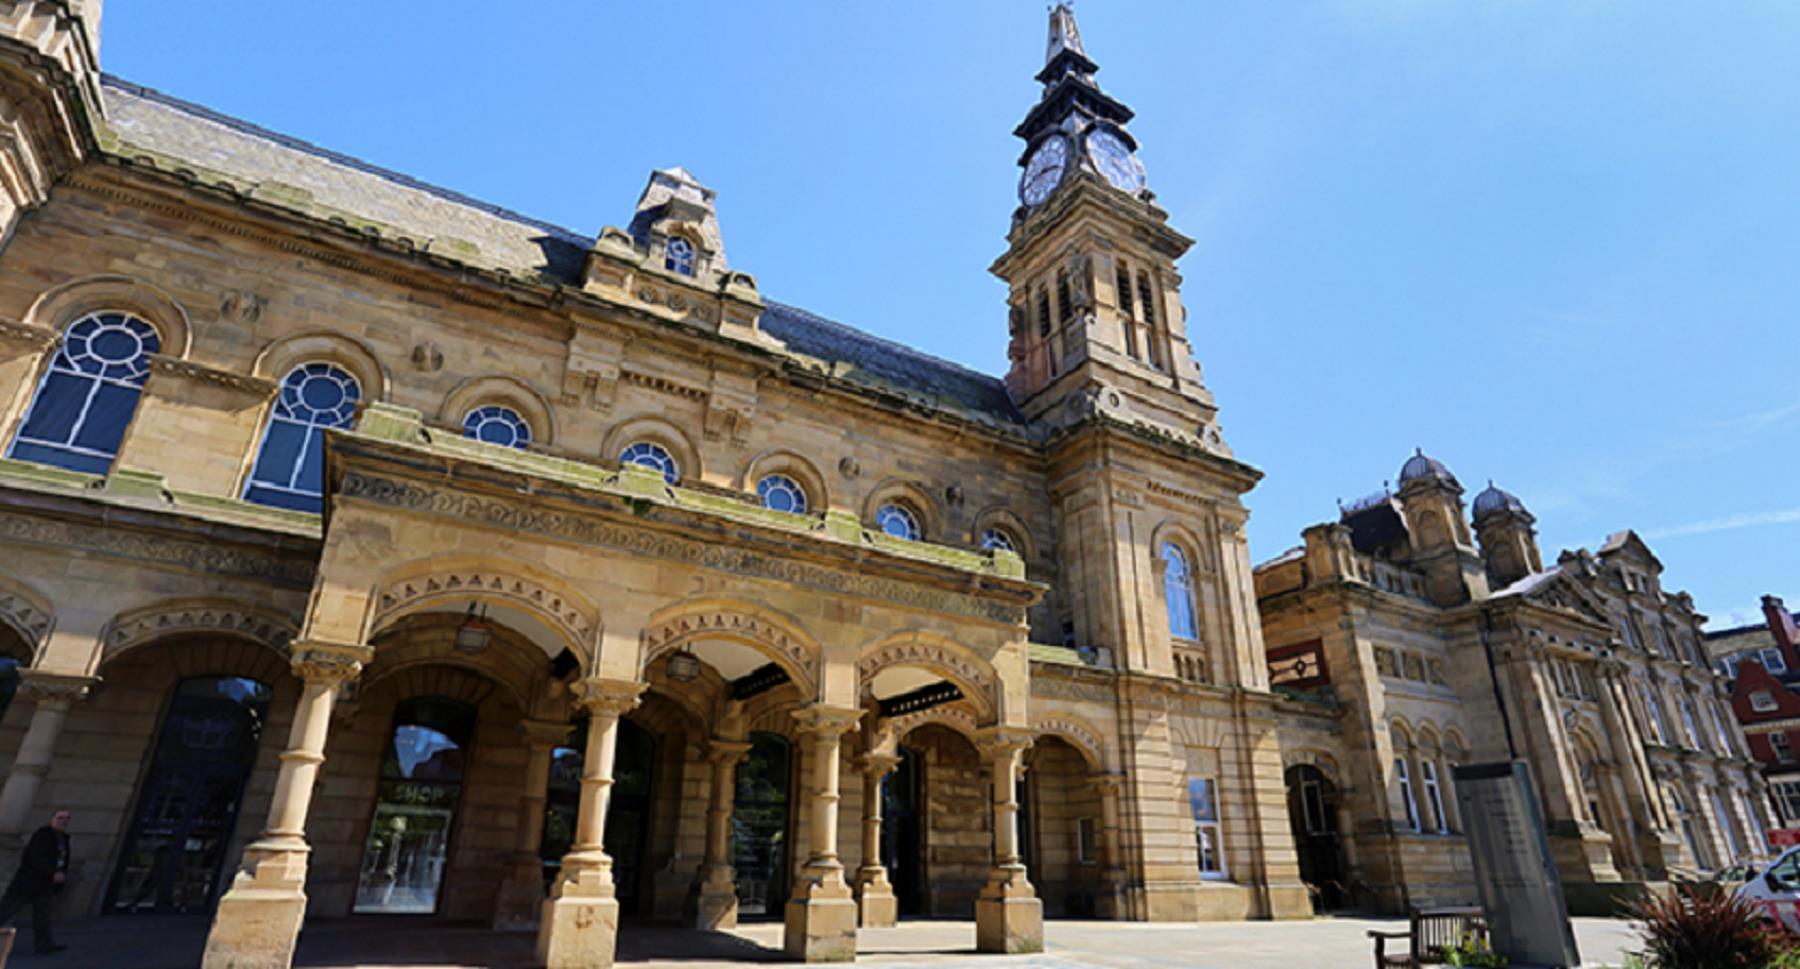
(163, 942)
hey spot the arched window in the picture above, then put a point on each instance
(408, 845)
(1404, 776)
(290, 465)
(678, 256)
(999, 538)
(1434, 799)
(1178, 590)
(495, 424)
(899, 521)
(652, 455)
(781, 493)
(80, 412)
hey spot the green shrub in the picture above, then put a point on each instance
(1702, 926)
(1473, 951)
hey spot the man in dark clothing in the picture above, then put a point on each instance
(42, 869)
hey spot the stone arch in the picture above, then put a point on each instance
(26, 612)
(1185, 537)
(433, 582)
(1325, 763)
(511, 661)
(959, 664)
(1454, 744)
(794, 465)
(1006, 520)
(781, 638)
(1077, 733)
(655, 428)
(1426, 740)
(62, 304)
(506, 391)
(288, 352)
(179, 617)
(916, 497)
(956, 718)
(1400, 732)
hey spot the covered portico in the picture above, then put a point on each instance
(521, 620)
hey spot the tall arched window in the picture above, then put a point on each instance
(290, 465)
(1178, 590)
(80, 412)
(678, 256)
(1404, 777)
(497, 424)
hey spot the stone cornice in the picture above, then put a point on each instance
(250, 386)
(26, 336)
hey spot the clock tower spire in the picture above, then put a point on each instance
(1096, 314)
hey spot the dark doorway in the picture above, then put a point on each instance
(408, 846)
(902, 841)
(627, 814)
(760, 847)
(1312, 814)
(190, 798)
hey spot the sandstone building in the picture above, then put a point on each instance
(372, 550)
(1407, 643)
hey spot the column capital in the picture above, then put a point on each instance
(328, 663)
(878, 764)
(827, 720)
(46, 686)
(544, 734)
(1107, 783)
(608, 697)
(1001, 741)
(721, 751)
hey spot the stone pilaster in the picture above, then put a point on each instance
(258, 920)
(51, 696)
(821, 912)
(1009, 917)
(717, 882)
(875, 901)
(522, 890)
(1110, 902)
(580, 922)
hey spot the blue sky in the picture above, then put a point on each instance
(1550, 241)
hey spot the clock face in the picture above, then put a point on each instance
(1115, 160)
(1044, 170)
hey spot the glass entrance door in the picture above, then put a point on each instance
(189, 802)
(902, 847)
(759, 826)
(415, 807)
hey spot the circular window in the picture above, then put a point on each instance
(495, 424)
(782, 493)
(111, 345)
(996, 538)
(652, 455)
(898, 521)
(319, 394)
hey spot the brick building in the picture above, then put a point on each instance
(1764, 668)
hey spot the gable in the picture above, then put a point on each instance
(1564, 595)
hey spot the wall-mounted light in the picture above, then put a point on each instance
(683, 666)
(473, 635)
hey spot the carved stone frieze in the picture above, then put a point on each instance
(734, 559)
(206, 557)
(1054, 688)
(931, 656)
(24, 616)
(954, 716)
(566, 616)
(1069, 728)
(132, 629)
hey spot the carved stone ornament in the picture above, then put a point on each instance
(607, 698)
(1001, 741)
(674, 633)
(1070, 729)
(956, 716)
(849, 468)
(428, 357)
(134, 628)
(932, 656)
(573, 621)
(33, 623)
(251, 386)
(41, 686)
(827, 720)
(592, 531)
(329, 665)
(211, 558)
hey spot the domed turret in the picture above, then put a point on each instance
(1421, 466)
(1508, 542)
(1495, 500)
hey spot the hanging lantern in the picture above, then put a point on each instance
(683, 666)
(473, 635)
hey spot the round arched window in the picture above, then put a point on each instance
(899, 521)
(678, 256)
(289, 466)
(495, 424)
(90, 393)
(999, 538)
(652, 455)
(781, 493)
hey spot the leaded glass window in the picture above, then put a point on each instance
(898, 521)
(1178, 590)
(781, 493)
(290, 464)
(999, 538)
(88, 397)
(495, 424)
(652, 455)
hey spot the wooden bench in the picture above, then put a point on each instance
(1430, 932)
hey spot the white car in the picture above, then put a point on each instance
(1777, 889)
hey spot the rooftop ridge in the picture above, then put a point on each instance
(885, 342)
(336, 157)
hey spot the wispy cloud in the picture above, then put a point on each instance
(1789, 516)
(1758, 420)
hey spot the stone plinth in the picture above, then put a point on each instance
(579, 928)
(1009, 918)
(717, 907)
(876, 905)
(257, 924)
(821, 921)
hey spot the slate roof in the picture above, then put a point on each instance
(315, 181)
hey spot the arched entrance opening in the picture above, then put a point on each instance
(944, 849)
(1313, 804)
(1061, 832)
(175, 845)
(415, 811)
(903, 832)
(761, 824)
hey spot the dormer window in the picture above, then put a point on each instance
(678, 256)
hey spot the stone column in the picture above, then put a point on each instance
(51, 694)
(522, 890)
(1111, 902)
(718, 905)
(580, 922)
(258, 920)
(1009, 917)
(821, 912)
(875, 900)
